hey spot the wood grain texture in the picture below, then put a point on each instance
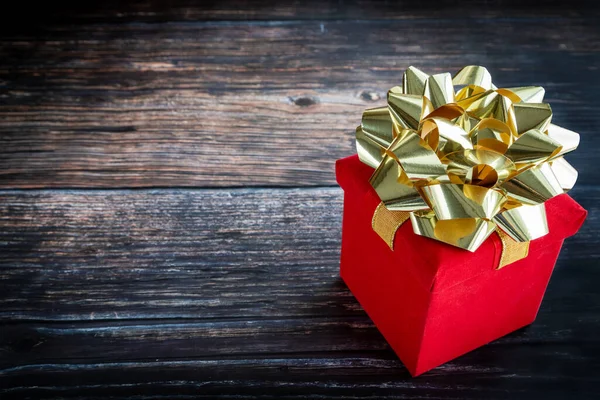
(174, 293)
(222, 104)
(179, 233)
(125, 244)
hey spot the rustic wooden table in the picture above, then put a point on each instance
(169, 216)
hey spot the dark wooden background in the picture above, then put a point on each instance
(169, 217)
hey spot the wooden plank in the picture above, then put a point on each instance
(252, 104)
(170, 254)
(106, 341)
(500, 370)
(246, 253)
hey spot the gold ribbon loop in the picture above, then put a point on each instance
(386, 223)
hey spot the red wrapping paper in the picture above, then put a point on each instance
(434, 302)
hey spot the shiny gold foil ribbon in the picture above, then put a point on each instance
(386, 223)
(462, 158)
(511, 249)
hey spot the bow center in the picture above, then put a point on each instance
(482, 175)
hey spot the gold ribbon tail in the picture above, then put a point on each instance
(512, 250)
(385, 223)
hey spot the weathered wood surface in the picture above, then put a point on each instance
(198, 255)
(253, 104)
(178, 292)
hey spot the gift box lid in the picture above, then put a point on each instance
(437, 265)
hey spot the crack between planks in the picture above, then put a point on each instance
(184, 320)
(422, 18)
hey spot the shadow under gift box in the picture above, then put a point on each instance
(434, 302)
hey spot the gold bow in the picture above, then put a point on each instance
(462, 164)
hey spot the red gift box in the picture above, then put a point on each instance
(434, 302)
